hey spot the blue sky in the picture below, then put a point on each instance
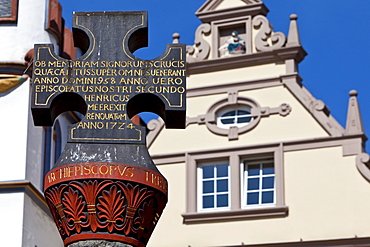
(335, 34)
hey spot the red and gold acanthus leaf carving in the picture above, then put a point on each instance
(145, 219)
(54, 200)
(122, 209)
(135, 196)
(74, 210)
(111, 209)
(89, 190)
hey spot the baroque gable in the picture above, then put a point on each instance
(221, 8)
(212, 5)
(240, 31)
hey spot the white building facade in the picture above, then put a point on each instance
(26, 151)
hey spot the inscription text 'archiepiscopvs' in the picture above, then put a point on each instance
(106, 171)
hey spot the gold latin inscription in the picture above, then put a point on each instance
(86, 170)
(106, 86)
(156, 180)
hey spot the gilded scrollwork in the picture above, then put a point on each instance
(266, 39)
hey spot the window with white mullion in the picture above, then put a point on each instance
(259, 183)
(213, 186)
(238, 116)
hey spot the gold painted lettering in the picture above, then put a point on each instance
(101, 170)
(123, 171)
(129, 170)
(111, 169)
(87, 170)
(92, 169)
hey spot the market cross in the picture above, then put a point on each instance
(108, 84)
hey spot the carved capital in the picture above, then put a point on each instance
(105, 201)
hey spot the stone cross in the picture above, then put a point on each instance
(104, 189)
(108, 84)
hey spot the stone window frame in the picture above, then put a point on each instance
(236, 210)
(215, 193)
(14, 14)
(238, 21)
(233, 132)
(236, 118)
(257, 112)
(260, 161)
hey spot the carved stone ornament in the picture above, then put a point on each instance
(105, 185)
(233, 100)
(265, 39)
(203, 47)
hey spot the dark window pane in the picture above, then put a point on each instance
(229, 113)
(267, 197)
(208, 171)
(244, 119)
(252, 198)
(253, 170)
(268, 168)
(228, 121)
(253, 183)
(222, 170)
(268, 183)
(222, 185)
(242, 112)
(208, 202)
(222, 200)
(208, 186)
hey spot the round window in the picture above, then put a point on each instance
(238, 116)
(232, 119)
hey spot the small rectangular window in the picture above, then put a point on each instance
(8, 11)
(213, 186)
(258, 183)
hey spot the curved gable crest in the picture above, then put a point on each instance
(218, 9)
(222, 4)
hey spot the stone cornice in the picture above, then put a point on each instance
(294, 145)
(241, 214)
(240, 86)
(329, 242)
(205, 66)
(24, 186)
